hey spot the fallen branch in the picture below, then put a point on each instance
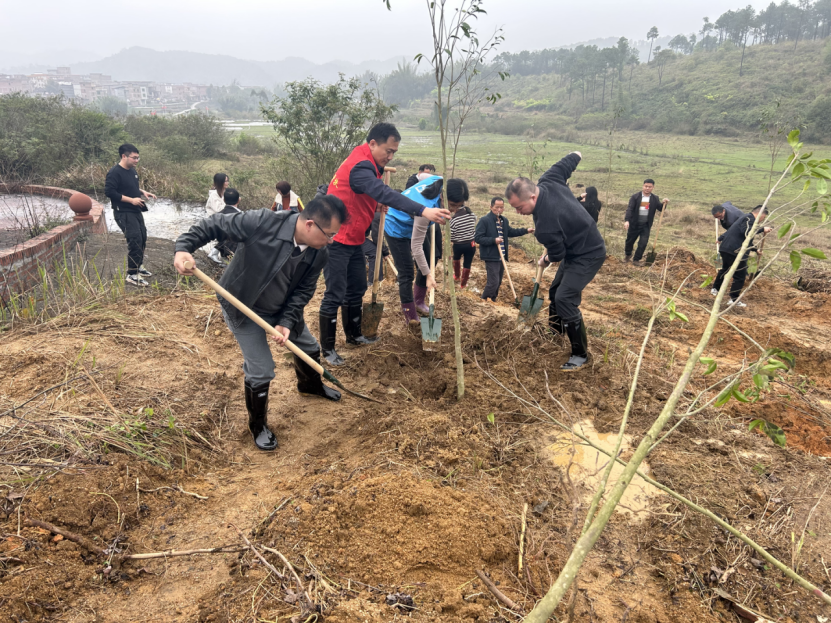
(496, 592)
(522, 537)
(223, 549)
(175, 488)
(268, 565)
(75, 538)
(309, 601)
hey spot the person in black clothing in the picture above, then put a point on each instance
(731, 243)
(370, 248)
(127, 199)
(638, 220)
(570, 237)
(275, 273)
(727, 214)
(492, 233)
(225, 246)
(591, 202)
(426, 169)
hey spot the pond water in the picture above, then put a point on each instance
(164, 218)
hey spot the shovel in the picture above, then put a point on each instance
(758, 258)
(718, 250)
(392, 266)
(374, 311)
(531, 305)
(431, 326)
(271, 330)
(510, 281)
(652, 256)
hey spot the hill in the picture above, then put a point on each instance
(699, 93)
(137, 63)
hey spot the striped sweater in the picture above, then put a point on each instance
(462, 226)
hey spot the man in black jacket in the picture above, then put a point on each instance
(491, 234)
(570, 237)
(731, 243)
(274, 272)
(370, 248)
(127, 200)
(638, 220)
(227, 247)
(426, 169)
(726, 214)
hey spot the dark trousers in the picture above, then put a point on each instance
(369, 249)
(421, 280)
(738, 277)
(466, 250)
(637, 230)
(566, 291)
(132, 224)
(345, 276)
(402, 256)
(495, 273)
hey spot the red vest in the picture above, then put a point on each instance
(361, 207)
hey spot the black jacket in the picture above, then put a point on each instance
(731, 215)
(266, 240)
(225, 246)
(733, 238)
(635, 204)
(372, 234)
(592, 208)
(486, 234)
(561, 223)
(123, 182)
(411, 181)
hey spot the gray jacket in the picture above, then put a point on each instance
(265, 241)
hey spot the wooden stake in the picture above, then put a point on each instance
(522, 537)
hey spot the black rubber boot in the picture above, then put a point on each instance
(256, 401)
(576, 332)
(328, 331)
(555, 323)
(351, 317)
(309, 382)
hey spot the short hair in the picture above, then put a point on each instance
(521, 187)
(219, 180)
(718, 210)
(649, 180)
(759, 208)
(457, 190)
(325, 208)
(431, 191)
(427, 167)
(284, 188)
(126, 149)
(495, 199)
(231, 196)
(381, 133)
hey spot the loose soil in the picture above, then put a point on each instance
(401, 502)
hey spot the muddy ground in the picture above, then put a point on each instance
(135, 438)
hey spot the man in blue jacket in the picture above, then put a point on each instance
(492, 233)
(570, 237)
(274, 272)
(731, 243)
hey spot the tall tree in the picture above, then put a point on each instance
(651, 35)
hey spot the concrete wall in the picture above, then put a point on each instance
(19, 265)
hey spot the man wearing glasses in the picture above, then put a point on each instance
(127, 199)
(357, 182)
(274, 272)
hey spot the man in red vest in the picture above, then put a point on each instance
(358, 184)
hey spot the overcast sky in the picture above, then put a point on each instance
(325, 30)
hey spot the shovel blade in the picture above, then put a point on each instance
(371, 318)
(650, 258)
(529, 309)
(430, 331)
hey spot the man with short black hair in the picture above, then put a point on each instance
(358, 183)
(127, 200)
(224, 246)
(274, 273)
(424, 171)
(491, 234)
(726, 214)
(731, 243)
(571, 237)
(638, 220)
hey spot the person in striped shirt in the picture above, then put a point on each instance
(462, 234)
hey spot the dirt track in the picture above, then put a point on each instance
(411, 496)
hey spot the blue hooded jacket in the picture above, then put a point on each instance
(400, 224)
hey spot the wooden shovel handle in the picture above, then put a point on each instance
(380, 244)
(505, 265)
(253, 316)
(540, 269)
(392, 266)
(432, 258)
(658, 231)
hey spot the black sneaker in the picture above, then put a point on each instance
(136, 280)
(144, 272)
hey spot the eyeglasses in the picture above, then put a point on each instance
(136, 158)
(329, 236)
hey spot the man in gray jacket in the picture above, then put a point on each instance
(274, 272)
